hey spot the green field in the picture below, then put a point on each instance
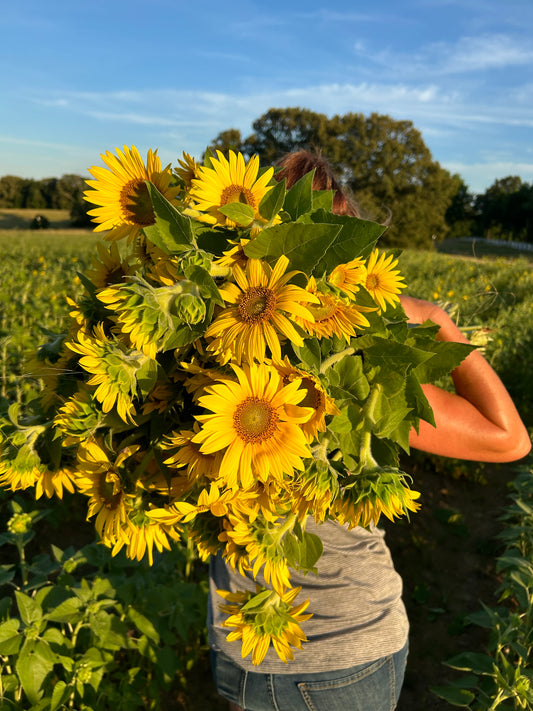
(446, 554)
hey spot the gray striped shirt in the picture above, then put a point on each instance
(358, 613)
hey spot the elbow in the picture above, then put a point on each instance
(512, 446)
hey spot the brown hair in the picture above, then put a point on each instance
(295, 165)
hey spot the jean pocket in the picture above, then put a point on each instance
(229, 679)
(368, 689)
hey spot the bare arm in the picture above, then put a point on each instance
(479, 421)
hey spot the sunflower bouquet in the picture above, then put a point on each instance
(239, 362)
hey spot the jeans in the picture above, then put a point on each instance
(374, 686)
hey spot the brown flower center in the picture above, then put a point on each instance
(313, 396)
(257, 304)
(372, 281)
(136, 203)
(255, 420)
(238, 193)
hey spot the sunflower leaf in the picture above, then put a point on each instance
(239, 212)
(172, 231)
(299, 199)
(272, 202)
(303, 244)
(323, 199)
(355, 237)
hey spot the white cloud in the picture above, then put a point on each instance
(466, 55)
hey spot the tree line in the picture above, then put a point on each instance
(383, 162)
(65, 193)
(392, 175)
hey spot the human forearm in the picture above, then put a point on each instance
(479, 421)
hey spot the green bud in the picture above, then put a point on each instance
(188, 306)
(19, 524)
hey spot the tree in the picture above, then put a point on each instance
(506, 209)
(12, 190)
(230, 140)
(462, 216)
(384, 162)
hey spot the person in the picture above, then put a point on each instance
(355, 656)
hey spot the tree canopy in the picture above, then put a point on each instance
(383, 162)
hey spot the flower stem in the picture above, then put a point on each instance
(335, 358)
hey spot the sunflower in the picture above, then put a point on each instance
(332, 316)
(265, 305)
(54, 482)
(99, 479)
(225, 181)
(19, 475)
(78, 418)
(256, 422)
(383, 281)
(263, 542)
(200, 377)
(315, 397)
(113, 370)
(348, 277)
(375, 493)
(188, 170)
(274, 621)
(142, 535)
(110, 268)
(234, 255)
(124, 204)
(188, 454)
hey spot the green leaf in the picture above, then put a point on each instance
(272, 202)
(66, 611)
(172, 231)
(35, 661)
(453, 695)
(239, 212)
(447, 355)
(143, 624)
(7, 574)
(10, 639)
(257, 600)
(417, 400)
(303, 244)
(310, 550)
(206, 284)
(299, 199)
(146, 377)
(323, 199)
(398, 357)
(349, 379)
(310, 353)
(355, 238)
(472, 661)
(59, 695)
(30, 611)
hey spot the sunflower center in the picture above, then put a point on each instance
(136, 203)
(372, 281)
(313, 397)
(255, 420)
(257, 304)
(238, 193)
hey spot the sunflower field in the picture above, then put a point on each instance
(185, 386)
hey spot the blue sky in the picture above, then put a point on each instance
(78, 79)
